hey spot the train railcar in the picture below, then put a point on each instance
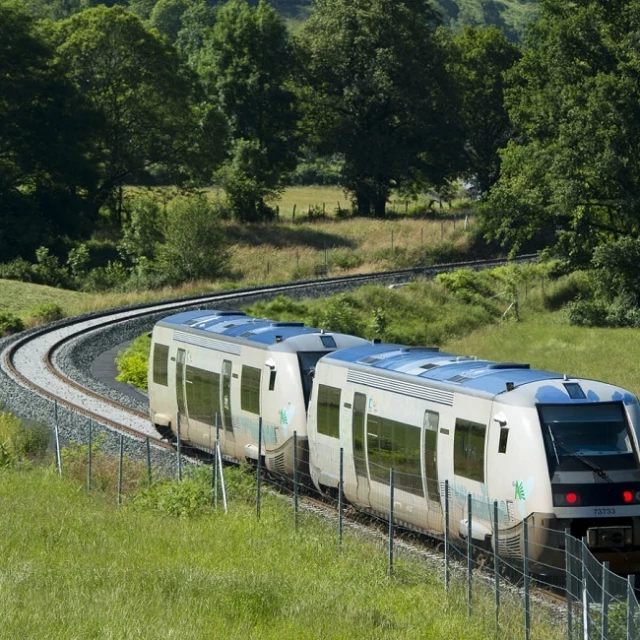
(559, 452)
(220, 371)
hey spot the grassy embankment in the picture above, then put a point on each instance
(76, 566)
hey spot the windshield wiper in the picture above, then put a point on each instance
(572, 454)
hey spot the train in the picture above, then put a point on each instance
(500, 444)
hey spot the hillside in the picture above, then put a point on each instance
(512, 16)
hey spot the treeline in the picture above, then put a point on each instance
(184, 93)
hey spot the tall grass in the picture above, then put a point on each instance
(75, 566)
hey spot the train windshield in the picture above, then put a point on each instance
(596, 435)
(308, 361)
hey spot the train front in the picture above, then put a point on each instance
(589, 433)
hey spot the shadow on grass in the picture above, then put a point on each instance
(284, 236)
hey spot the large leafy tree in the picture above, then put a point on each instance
(573, 173)
(135, 80)
(44, 141)
(480, 58)
(247, 67)
(378, 93)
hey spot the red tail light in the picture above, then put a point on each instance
(572, 497)
(627, 496)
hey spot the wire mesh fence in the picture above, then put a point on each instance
(550, 582)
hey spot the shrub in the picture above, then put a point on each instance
(345, 259)
(9, 323)
(47, 312)
(566, 289)
(113, 276)
(615, 270)
(587, 313)
(132, 363)
(195, 246)
(48, 269)
(18, 269)
(19, 442)
(191, 497)
(338, 314)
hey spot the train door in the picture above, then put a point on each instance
(358, 425)
(181, 395)
(225, 400)
(431, 423)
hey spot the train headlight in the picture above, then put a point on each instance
(568, 499)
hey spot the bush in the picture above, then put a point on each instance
(18, 269)
(133, 362)
(19, 442)
(47, 312)
(191, 497)
(48, 270)
(587, 313)
(567, 289)
(338, 314)
(9, 323)
(113, 276)
(195, 246)
(615, 270)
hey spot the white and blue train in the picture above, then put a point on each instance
(558, 452)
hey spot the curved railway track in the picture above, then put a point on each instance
(29, 360)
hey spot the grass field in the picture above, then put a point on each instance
(76, 566)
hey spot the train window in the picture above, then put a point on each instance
(504, 437)
(468, 449)
(308, 361)
(328, 414)
(250, 389)
(396, 445)
(203, 394)
(160, 364)
(272, 379)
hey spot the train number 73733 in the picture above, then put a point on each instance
(604, 511)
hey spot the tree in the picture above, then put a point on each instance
(135, 80)
(247, 67)
(378, 93)
(480, 59)
(166, 17)
(44, 141)
(195, 244)
(573, 173)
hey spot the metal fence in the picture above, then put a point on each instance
(551, 579)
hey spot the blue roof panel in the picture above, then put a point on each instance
(445, 368)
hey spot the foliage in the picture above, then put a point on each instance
(193, 496)
(48, 269)
(17, 269)
(338, 314)
(142, 232)
(480, 57)
(572, 176)
(47, 312)
(247, 66)
(45, 129)
(615, 271)
(19, 442)
(195, 244)
(111, 277)
(132, 362)
(10, 323)
(377, 93)
(134, 79)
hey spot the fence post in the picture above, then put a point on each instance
(57, 437)
(391, 478)
(446, 536)
(340, 489)
(527, 602)
(179, 448)
(259, 483)
(120, 469)
(605, 600)
(89, 452)
(496, 563)
(216, 449)
(585, 592)
(295, 480)
(469, 554)
(568, 556)
(631, 621)
(149, 460)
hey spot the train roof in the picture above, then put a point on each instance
(446, 369)
(237, 324)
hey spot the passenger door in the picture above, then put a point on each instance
(225, 400)
(359, 446)
(431, 423)
(181, 395)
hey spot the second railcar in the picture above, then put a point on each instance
(219, 372)
(557, 452)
